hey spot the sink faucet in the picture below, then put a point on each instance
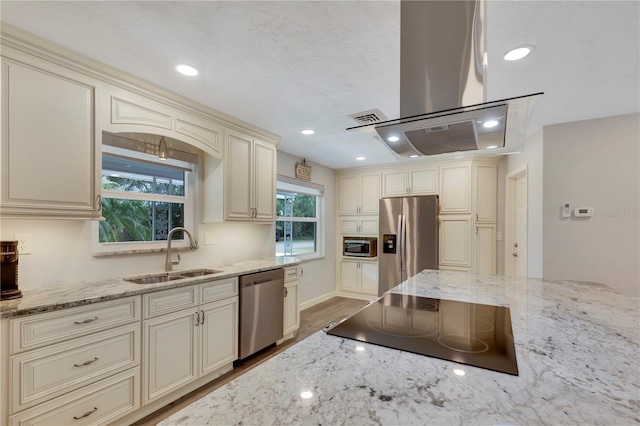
(170, 262)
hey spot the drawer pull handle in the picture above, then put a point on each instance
(91, 361)
(87, 414)
(87, 321)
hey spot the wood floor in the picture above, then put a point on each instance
(311, 320)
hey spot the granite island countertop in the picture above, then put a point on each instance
(577, 347)
(64, 296)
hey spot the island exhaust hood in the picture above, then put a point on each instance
(442, 98)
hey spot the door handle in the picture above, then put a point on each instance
(202, 323)
(197, 314)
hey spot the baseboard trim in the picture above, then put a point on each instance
(319, 299)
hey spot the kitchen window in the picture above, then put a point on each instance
(299, 218)
(143, 197)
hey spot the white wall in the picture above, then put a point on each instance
(318, 281)
(594, 163)
(532, 155)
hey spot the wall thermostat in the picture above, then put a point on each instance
(583, 212)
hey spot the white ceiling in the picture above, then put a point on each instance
(287, 66)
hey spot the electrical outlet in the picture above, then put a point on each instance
(208, 238)
(499, 235)
(24, 243)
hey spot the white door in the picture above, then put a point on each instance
(519, 249)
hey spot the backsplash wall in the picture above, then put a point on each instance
(61, 251)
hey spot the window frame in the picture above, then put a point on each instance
(287, 185)
(189, 200)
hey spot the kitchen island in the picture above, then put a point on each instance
(577, 347)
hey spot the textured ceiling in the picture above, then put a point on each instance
(287, 66)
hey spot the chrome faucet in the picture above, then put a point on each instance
(170, 262)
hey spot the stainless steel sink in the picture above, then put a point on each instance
(154, 279)
(198, 272)
(173, 276)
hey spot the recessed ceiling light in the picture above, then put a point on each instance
(307, 132)
(359, 348)
(414, 156)
(361, 158)
(459, 372)
(492, 146)
(490, 123)
(187, 70)
(393, 139)
(306, 394)
(518, 53)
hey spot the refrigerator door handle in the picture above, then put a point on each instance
(400, 243)
(404, 239)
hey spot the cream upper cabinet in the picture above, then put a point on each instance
(358, 194)
(455, 188)
(363, 225)
(125, 111)
(400, 183)
(50, 140)
(250, 178)
(485, 192)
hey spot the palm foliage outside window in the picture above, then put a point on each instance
(296, 224)
(140, 201)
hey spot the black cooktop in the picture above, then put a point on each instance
(468, 333)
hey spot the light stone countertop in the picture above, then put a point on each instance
(577, 347)
(85, 292)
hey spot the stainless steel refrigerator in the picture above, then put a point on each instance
(408, 239)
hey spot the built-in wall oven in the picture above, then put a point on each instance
(360, 246)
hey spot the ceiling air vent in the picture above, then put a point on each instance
(368, 117)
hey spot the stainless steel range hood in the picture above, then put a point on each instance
(442, 92)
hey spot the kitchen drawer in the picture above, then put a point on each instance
(291, 274)
(165, 301)
(34, 331)
(43, 374)
(218, 290)
(97, 404)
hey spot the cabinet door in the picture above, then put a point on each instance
(48, 115)
(369, 278)
(219, 334)
(424, 181)
(395, 184)
(237, 170)
(369, 225)
(348, 194)
(485, 193)
(170, 357)
(349, 275)
(455, 193)
(264, 181)
(369, 193)
(291, 308)
(484, 257)
(454, 241)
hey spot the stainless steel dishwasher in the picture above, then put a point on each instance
(261, 310)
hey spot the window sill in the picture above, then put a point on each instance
(305, 257)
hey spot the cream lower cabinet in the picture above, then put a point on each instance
(455, 244)
(359, 276)
(75, 366)
(484, 249)
(190, 343)
(291, 302)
